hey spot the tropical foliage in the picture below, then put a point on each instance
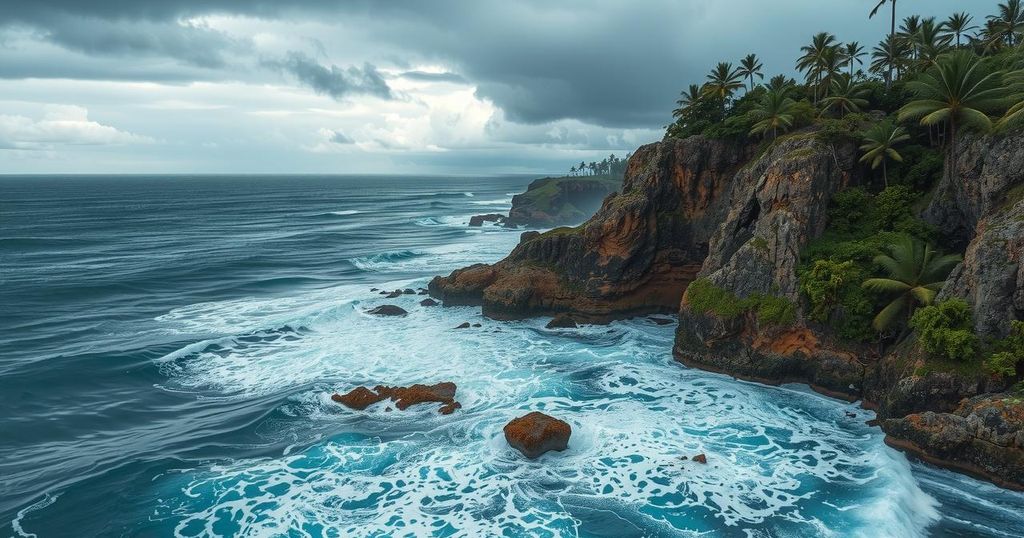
(915, 273)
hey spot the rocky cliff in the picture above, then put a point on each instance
(635, 255)
(732, 222)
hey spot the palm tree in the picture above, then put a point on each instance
(879, 145)
(908, 32)
(811, 60)
(958, 24)
(688, 98)
(915, 272)
(750, 67)
(775, 111)
(1014, 82)
(830, 67)
(572, 170)
(892, 36)
(889, 55)
(853, 54)
(779, 82)
(847, 96)
(931, 40)
(723, 81)
(959, 91)
(1009, 22)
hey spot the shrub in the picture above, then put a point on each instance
(1009, 352)
(946, 330)
(773, 310)
(836, 297)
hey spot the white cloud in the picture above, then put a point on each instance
(61, 125)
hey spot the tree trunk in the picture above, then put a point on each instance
(885, 172)
(892, 45)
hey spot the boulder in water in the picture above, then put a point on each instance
(536, 433)
(479, 220)
(463, 325)
(429, 302)
(562, 321)
(387, 310)
(700, 458)
(358, 398)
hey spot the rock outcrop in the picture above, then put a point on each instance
(777, 205)
(361, 397)
(536, 433)
(635, 256)
(699, 208)
(479, 220)
(387, 310)
(558, 201)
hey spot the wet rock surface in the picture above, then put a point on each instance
(536, 433)
(361, 397)
(562, 321)
(479, 220)
(387, 310)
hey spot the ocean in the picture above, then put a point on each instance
(169, 346)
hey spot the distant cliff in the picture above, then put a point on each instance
(557, 201)
(715, 231)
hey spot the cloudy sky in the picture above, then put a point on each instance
(350, 86)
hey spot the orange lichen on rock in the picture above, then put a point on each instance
(536, 433)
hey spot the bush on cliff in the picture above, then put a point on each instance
(704, 297)
(946, 330)
(836, 298)
(1008, 353)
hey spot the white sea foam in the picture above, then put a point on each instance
(780, 461)
(346, 212)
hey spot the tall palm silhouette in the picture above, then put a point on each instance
(1009, 23)
(723, 81)
(853, 54)
(688, 98)
(813, 56)
(959, 24)
(892, 35)
(751, 66)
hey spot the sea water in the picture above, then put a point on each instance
(169, 346)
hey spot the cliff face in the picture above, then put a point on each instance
(551, 202)
(636, 255)
(705, 209)
(777, 205)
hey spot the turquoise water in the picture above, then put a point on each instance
(169, 346)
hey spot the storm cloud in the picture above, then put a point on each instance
(571, 76)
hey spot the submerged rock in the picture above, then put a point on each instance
(387, 310)
(463, 325)
(361, 397)
(394, 294)
(428, 302)
(562, 321)
(700, 458)
(536, 433)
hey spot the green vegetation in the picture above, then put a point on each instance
(915, 274)
(1007, 354)
(704, 297)
(905, 102)
(946, 330)
(610, 166)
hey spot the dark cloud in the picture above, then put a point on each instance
(334, 81)
(434, 77)
(606, 62)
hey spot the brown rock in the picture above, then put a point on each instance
(359, 398)
(536, 433)
(700, 458)
(408, 396)
(387, 310)
(428, 302)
